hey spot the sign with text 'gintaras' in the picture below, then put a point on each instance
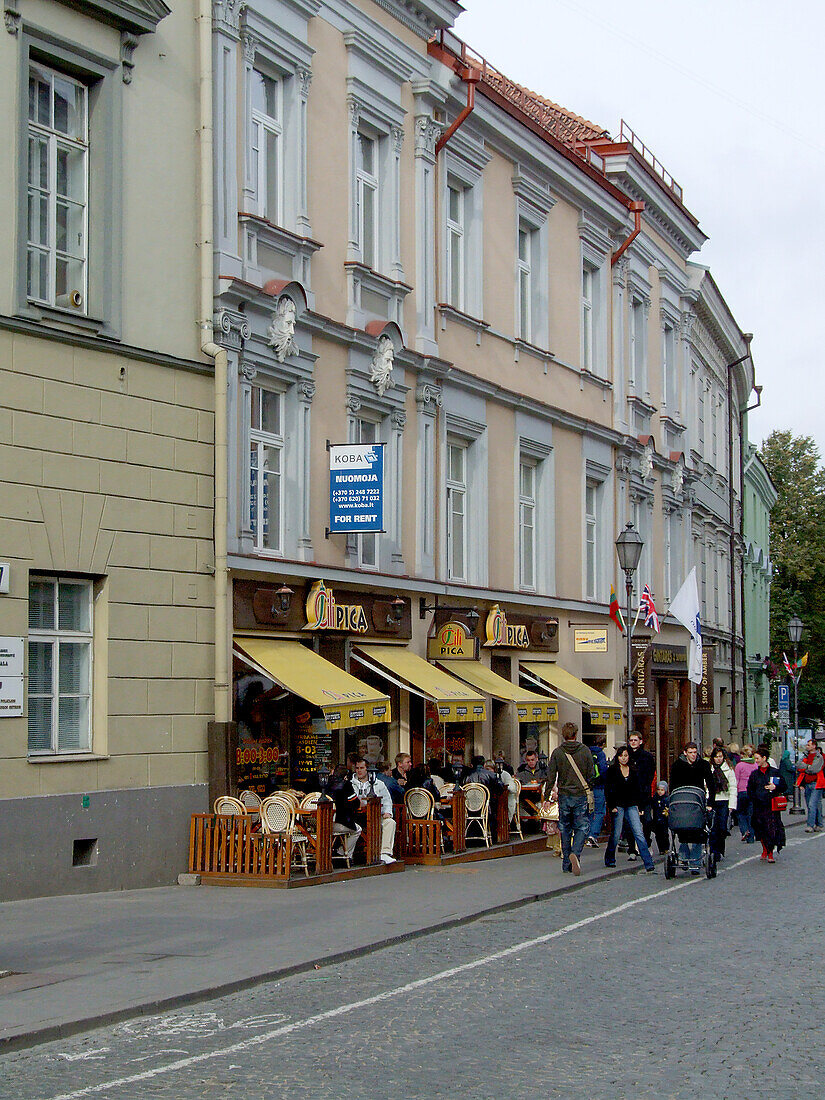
(356, 488)
(500, 633)
(451, 641)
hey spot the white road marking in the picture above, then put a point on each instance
(420, 983)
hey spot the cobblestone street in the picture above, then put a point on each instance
(633, 987)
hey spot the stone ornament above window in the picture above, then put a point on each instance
(381, 365)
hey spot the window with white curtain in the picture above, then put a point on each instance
(266, 467)
(457, 511)
(527, 523)
(266, 139)
(58, 169)
(59, 665)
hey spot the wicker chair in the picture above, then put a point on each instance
(226, 806)
(419, 804)
(278, 823)
(252, 804)
(310, 802)
(477, 799)
(516, 819)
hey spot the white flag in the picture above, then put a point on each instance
(685, 608)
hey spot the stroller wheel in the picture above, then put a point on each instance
(710, 870)
(670, 865)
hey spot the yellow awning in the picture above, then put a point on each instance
(530, 707)
(454, 701)
(601, 708)
(344, 700)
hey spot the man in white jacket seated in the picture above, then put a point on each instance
(362, 787)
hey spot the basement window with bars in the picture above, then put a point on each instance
(60, 665)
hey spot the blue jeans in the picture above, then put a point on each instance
(574, 825)
(597, 817)
(693, 854)
(813, 800)
(629, 814)
(744, 810)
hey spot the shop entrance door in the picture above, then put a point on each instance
(673, 721)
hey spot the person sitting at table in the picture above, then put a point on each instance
(363, 787)
(459, 769)
(479, 773)
(505, 777)
(384, 771)
(531, 771)
(403, 763)
(420, 776)
(437, 773)
(346, 803)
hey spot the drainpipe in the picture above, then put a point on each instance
(471, 77)
(742, 607)
(636, 209)
(746, 337)
(222, 699)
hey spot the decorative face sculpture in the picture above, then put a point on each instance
(281, 333)
(381, 367)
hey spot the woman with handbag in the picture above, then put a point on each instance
(623, 794)
(724, 800)
(766, 790)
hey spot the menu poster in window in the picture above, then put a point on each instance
(304, 749)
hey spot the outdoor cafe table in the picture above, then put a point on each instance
(529, 799)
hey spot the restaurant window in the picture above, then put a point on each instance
(527, 524)
(266, 145)
(266, 465)
(455, 246)
(57, 196)
(366, 431)
(457, 511)
(59, 665)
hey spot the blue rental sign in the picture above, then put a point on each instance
(356, 487)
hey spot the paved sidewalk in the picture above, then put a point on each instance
(80, 961)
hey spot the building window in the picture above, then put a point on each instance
(366, 431)
(589, 289)
(668, 555)
(700, 419)
(527, 524)
(638, 343)
(713, 427)
(60, 665)
(669, 367)
(455, 246)
(526, 249)
(266, 138)
(456, 511)
(367, 197)
(266, 459)
(58, 152)
(591, 535)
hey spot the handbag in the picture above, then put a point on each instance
(779, 802)
(591, 802)
(548, 811)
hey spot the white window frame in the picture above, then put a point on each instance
(260, 516)
(588, 320)
(54, 142)
(638, 344)
(591, 539)
(464, 161)
(528, 520)
(262, 126)
(525, 278)
(366, 181)
(54, 637)
(457, 494)
(455, 252)
(669, 382)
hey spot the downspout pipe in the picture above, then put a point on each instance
(636, 209)
(222, 696)
(747, 337)
(471, 77)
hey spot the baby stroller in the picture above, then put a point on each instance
(689, 821)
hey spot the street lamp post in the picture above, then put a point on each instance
(795, 627)
(629, 551)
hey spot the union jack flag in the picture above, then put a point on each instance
(649, 609)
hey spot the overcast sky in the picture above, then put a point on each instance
(729, 96)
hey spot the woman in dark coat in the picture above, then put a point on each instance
(764, 784)
(623, 794)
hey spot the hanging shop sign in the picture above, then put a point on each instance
(356, 488)
(668, 660)
(590, 640)
(500, 633)
(453, 641)
(704, 689)
(324, 613)
(642, 676)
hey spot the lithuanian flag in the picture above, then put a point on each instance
(616, 611)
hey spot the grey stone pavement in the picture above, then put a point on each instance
(79, 960)
(633, 987)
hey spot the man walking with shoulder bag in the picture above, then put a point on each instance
(571, 766)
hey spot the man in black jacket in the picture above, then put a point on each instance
(690, 770)
(645, 764)
(346, 802)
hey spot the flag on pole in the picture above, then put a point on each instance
(803, 661)
(615, 610)
(789, 668)
(685, 607)
(649, 609)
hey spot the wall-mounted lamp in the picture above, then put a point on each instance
(551, 629)
(282, 600)
(396, 612)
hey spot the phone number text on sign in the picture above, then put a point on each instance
(356, 488)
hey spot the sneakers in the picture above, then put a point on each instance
(770, 858)
(809, 828)
(651, 871)
(632, 858)
(575, 865)
(591, 842)
(387, 860)
(817, 828)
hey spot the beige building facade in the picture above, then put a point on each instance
(106, 435)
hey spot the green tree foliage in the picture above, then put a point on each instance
(798, 553)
